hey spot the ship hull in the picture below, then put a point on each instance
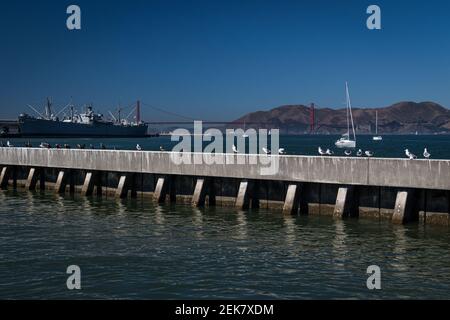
(48, 128)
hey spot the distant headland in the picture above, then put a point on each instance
(400, 118)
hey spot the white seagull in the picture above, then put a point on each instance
(9, 144)
(410, 155)
(359, 153)
(321, 152)
(235, 150)
(407, 152)
(161, 148)
(265, 150)
(329, 152)
(138, 147)
(348, 152)
(281, 151)
(426, 154)
(369, 153)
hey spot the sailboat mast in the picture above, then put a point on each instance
(350, 110)
(376, 122)
(348, 119)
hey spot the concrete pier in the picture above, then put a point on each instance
(398, 189)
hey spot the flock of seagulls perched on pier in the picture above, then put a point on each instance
(369, 153)
(265, 150)
(323, 152)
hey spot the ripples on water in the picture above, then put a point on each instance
(134, 249)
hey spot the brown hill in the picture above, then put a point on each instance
(402, 118)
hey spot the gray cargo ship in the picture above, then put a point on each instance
(87, 124)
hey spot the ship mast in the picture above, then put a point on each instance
(48, 109)
(138, 112)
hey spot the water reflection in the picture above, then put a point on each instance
(241, 227)
(121, 205)
(289, 230)
(197, 219)
(30, 202)
(340, 250)
(400, 249)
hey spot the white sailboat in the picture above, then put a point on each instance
(345, 141)
(376, 137)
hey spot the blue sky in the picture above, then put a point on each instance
(217, 60)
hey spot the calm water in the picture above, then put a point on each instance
(391, 146)
(134, 249)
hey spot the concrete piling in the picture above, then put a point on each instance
(199, 196)
(346, 203)
(160, 190)
(32, 179)
(88, 185)
(122, 190)
(60, 186)
(405, 209)
(203, 188)
(242, 199)
(4, 176)
(291, 202)
(165, 186)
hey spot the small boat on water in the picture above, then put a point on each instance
(345, 141)
(376, 137)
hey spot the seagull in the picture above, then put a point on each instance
(369, 153)
(235, 150)
(265, 150)
(410, 155)
(138, 147)
(407, 152)
(329, 152)
(347, 152)
(44, 145)
(426, 154)
(281, 151)
(8, 144)
(321, 152)
(161, 148)
(359, 153)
